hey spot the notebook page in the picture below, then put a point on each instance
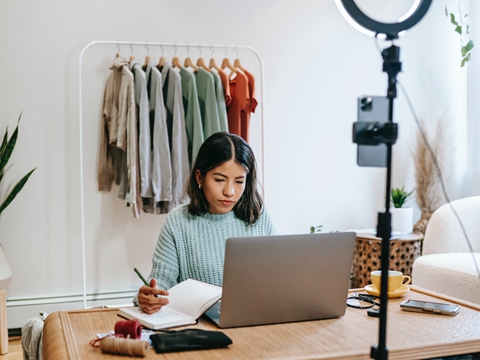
(193, 297)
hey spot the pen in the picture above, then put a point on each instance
(143, 279)
(141, 276)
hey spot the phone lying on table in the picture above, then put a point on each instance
(430, 307)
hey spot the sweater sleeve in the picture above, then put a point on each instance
(105, 160)
(180, 168)
(165, 268)
(267, 224)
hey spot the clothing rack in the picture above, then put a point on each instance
(147, 44)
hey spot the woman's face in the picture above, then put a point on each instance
(223, 186)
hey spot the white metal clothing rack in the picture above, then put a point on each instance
(160, 44)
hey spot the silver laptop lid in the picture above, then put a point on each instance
(286, 278)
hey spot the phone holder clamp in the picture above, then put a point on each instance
(374, 133)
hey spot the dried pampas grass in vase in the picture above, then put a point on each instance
(428, 192)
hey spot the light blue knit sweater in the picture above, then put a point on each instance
(194, 246)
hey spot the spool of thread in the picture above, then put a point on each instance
(122, 346)
(128, 329)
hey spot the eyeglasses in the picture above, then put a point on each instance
(362, 301)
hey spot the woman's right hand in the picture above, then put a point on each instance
(148, 300)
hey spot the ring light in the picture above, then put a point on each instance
(352, 13)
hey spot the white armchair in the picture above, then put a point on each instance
(449, 265)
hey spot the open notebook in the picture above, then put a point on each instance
(188, 301)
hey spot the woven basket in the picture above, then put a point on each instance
(367, 258)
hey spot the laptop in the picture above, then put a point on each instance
(285, 278)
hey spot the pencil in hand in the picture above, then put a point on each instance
(143, 279)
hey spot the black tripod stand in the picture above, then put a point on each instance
(376, 133)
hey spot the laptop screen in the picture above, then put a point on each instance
(285, 278)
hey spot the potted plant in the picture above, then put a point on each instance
(315, 229)
(6, 150)
(402, 217)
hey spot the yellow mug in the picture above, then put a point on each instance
(395, 280)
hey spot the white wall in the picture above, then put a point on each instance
(315, 67)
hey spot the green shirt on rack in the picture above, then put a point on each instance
(207, 100)
(222, 108)
(193, 119)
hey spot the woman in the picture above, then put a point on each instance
(224, 203)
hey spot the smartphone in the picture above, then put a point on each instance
(372, 109)
(430, 307)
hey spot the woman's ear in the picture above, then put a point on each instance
(199, 177)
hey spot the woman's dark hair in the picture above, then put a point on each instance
(217, 149)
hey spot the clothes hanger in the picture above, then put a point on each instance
(132, 58)
(226, 64)
(237, 64)
(175, 60)
(118, 51)
(162, 61)
(201, 62)
(188, 62)
(147, 57)
(212, 64)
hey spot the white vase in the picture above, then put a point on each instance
(5, 271)
(402, 220)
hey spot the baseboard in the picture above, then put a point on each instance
(20, 310)
(14, 332)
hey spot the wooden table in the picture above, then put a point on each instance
(367, 256)
(410, 335)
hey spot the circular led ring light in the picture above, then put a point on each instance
(371, 27)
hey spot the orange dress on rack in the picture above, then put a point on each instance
(240, 103)
(245, 115)
(226, 86)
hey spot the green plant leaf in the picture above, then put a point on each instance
(8, 145)
(4, 143)
(399, 196)
(464, 50)
(458, 29)
(8, 149)
(452, 19)
(15, 191)
(468, 30)
(462, 64)
(469, 45)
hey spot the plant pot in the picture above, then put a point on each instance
(402, 220)
(5, 271)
